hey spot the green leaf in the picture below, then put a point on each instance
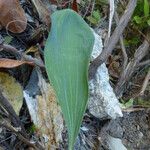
(127, 104)
(138, 19)
(148, 22)
(8, 39)
(92, 20)
(67, 54)
(95, 17)
(146, 8)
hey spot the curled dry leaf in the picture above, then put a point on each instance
(12, 16)
(11, 63)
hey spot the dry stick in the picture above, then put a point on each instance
(1, 40)
(87, 9)
(16, 131)
(113, 39)
(144, 63)
(125, 57)
(16, 121)
(3, 112)
(129, 110)
(9, 48)
(111, 15)
(145, 83)
(131, 67)
(12, 114)
(122, 4)
(13, 50)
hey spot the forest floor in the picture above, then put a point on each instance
(22, 68)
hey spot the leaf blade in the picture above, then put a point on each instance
(146, 8)
(67, 55)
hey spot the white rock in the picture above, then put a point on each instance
(115, 144)
(32, 106)
(102, 101)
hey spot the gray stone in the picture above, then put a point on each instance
(115, 144)
(102, 101)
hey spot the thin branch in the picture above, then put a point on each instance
(11, 49)
(125, 57)
(1, 40)
(87, 9)
(3, 112)
(16, 131)
(143, 63)
(12, 114)
(145, 83)
(113, 39)
(129, 110)
(111, 15)
(131, 67)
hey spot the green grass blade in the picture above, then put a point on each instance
(146, 8)
(67, 54)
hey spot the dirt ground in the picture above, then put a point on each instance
(133, 128)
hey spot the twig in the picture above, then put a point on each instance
(4, 144)
(113, 39)
(125, 57)
(145, 83)
(131, 67)
(129, 110)
(11, 49)
(3, 112)
(12, 114)
(1, 40)
(16, 131)
(87, 9)
(34, 60)
(122, 4)
(146, 62)
(111, 15)
(92, 9)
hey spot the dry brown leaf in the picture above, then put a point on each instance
(14, 95)
(12, 16)
(114, 66)
(32, 49)
(11, 63)
(75, 6)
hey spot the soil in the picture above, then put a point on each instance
(133, 128)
